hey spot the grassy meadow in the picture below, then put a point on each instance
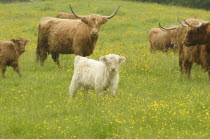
(152, 100)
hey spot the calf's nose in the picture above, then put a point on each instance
(113, 69)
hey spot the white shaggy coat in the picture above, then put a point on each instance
(100, 75)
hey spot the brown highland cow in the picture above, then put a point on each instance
(162, 39)
(196, 45)
(190, 53)
(10, 52)
(66, 16)
(64, 36)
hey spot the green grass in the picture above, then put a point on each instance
(152, 101)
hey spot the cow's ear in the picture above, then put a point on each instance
(208, 24)
(84, 20)
(104, 20)
(103, 59)
(122, 59)
(14, 40)
(27, 41)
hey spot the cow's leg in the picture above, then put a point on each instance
(73, 88)
(181, 65)
(85, 91)
(55, 57)
(16, 68)
(112, 90)
(181, 59)
(187, 68)
(209, 75)
(113, 87)
(99, 90)
(37, 54)
(42, 55)
(181, 68)
(3, 69)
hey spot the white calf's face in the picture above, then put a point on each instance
(113, 61)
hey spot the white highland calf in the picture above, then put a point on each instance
(100, 75)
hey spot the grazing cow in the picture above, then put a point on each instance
(10, 52)
(196, 47)
(162, 40)
(98, 75)
(65, 16)
(64, 36)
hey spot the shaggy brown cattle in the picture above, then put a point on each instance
(10, 52)
(65, 16)
(198, 32)
(65, 36)
(162, 40)
(189, 55)
(191, 50)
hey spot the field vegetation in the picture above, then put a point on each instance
(152, 100)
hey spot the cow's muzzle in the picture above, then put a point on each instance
(94, 32)
(113, 69)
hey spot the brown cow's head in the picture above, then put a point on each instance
(94, 21)
(20, 43)
(197, 33)
(171, 30)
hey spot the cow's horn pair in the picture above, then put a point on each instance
(194, 26)
(187, 24)
(172, 28)
(182, 23)
(108, 17)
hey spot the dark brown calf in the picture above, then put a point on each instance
(10, 52)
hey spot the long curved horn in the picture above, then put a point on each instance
(75, 13)
(172, 28)
(182, 23)
(194, 26)
(112, 15)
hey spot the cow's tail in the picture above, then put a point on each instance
(38, 46)
(41, 51)
(37, 52)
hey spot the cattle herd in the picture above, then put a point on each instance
(191, 39)
(75, 34)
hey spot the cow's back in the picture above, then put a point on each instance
(7, 51)
(86, 70)
(65, 16)
(61, 34)
(158, 38)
